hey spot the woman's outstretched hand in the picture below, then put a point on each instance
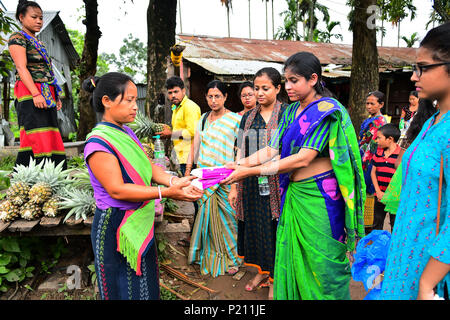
(183, 190)
(239, 173)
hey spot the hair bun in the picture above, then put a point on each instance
(90, 84)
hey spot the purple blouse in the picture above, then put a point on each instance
(102, 198)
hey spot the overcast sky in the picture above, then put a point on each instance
(118, 18)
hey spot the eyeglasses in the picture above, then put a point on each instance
(217, 97)
(418, 68)
(245, 96)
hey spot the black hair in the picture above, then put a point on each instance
(217, 84)
(390, 130)
(243, 85)
(111, 84)
(424, 111)
(271, 73)
(377, 94)
(414, 93)
(437, 41)
(173, 82)
(305, 64)
(23, 6)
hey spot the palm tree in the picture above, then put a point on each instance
(325, 36)
(301, 11)
(397, 10)
(227, 4)
(411, 40)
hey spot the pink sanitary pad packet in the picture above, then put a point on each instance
(207, 177)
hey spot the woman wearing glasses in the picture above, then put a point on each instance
(214, 235)
(419, 257)
(247, 95)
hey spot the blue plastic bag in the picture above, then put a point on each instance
(370, 257)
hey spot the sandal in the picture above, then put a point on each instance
(184, 243)
(250, 286)
(233, 270)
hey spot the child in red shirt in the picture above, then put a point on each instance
(383, 169)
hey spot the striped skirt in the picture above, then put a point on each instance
(39, 134)
(116, 280)
(214, 235)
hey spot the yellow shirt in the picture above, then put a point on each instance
(184, 119)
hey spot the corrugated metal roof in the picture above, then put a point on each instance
(233, 67)
(279, 50)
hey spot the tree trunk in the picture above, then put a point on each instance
(161, 24)
(88, 68)
(364, 74)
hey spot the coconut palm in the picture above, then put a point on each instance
(411, 40)
(301, 11)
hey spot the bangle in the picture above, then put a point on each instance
(170, 181)
(159, 191)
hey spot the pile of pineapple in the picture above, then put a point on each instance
(46, 190)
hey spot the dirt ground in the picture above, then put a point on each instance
(53, 286)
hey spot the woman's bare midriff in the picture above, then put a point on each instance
(317, 166)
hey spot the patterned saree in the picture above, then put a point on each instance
(214, 235)
(322, 215)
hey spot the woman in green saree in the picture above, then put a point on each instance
(321, 184)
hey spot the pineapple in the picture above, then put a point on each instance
(79, 178)
(8, 211)
(40, 192)
(53, 175)
(50, 207)
(30, 211)
(143, 127)
(81, 203)
(148, 150)
(28, 174)
(18, 193)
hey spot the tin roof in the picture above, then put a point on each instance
(215, 53)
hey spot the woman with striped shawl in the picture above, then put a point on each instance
(214, 235)
(121, 175)
(321, 185)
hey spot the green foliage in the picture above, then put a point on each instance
(7, 163)
(132, 58)
(76, 162)
(19, 257)
(161, 245)
(6, 27)
(167, 295)
(77, 39)
(411, 40)
(299, 12)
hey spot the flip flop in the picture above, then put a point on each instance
(184, 243)
(233, 270)
(251, 287)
